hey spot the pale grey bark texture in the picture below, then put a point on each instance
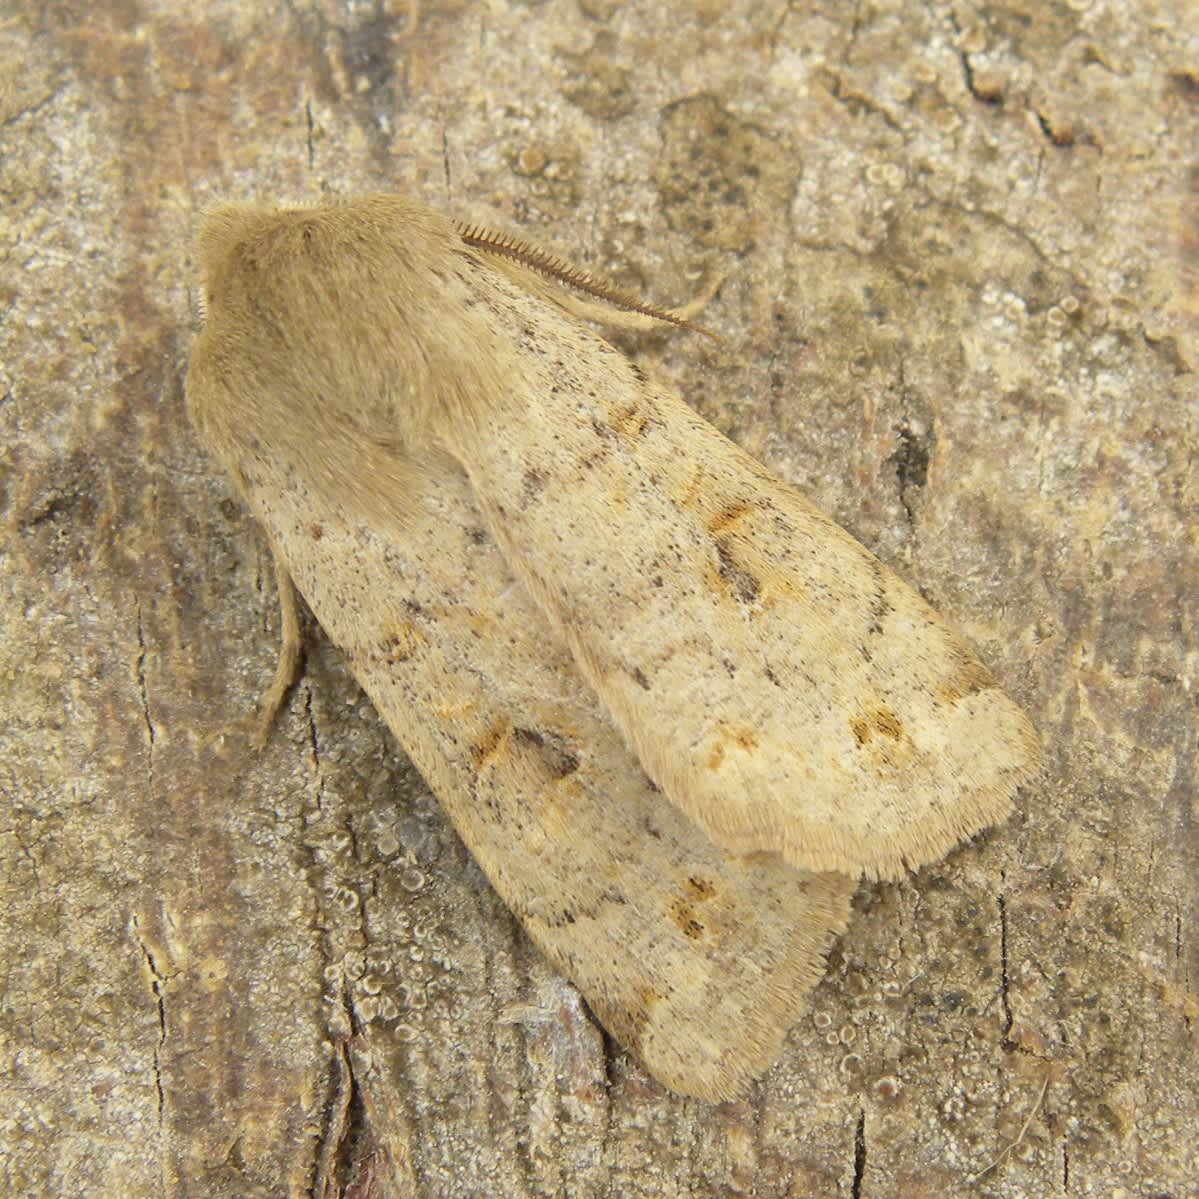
(961, 311)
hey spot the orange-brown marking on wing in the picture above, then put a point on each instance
(489, 747)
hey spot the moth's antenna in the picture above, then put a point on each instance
(560, 271)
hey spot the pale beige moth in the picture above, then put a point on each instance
(673, 710)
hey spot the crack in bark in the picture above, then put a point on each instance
(144, 692)
(314, 744)
(859, 1155)
(156, 980)
(1004, 998)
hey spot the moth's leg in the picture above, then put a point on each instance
(291, 647)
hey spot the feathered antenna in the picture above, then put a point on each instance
(561, 271)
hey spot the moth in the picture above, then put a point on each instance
(673, 710)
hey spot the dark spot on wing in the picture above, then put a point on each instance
(685, 919)
(533, 482)
(631, 421)
(489, 746)
(685, 906)
(554, 756)
(399, 643)
(743, 737)
(742, 582)
(880, 721)
(728, 516)
(880, 605)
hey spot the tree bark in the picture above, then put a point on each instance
(960, 310)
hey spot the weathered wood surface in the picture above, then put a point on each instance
(962, 312)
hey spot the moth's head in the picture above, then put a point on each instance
(247, 250)
(224, 234)
(319, 264)
(347, 316)
(242, 345)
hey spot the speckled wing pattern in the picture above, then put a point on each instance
(696, 959)
(785, 688)
(672, 710)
